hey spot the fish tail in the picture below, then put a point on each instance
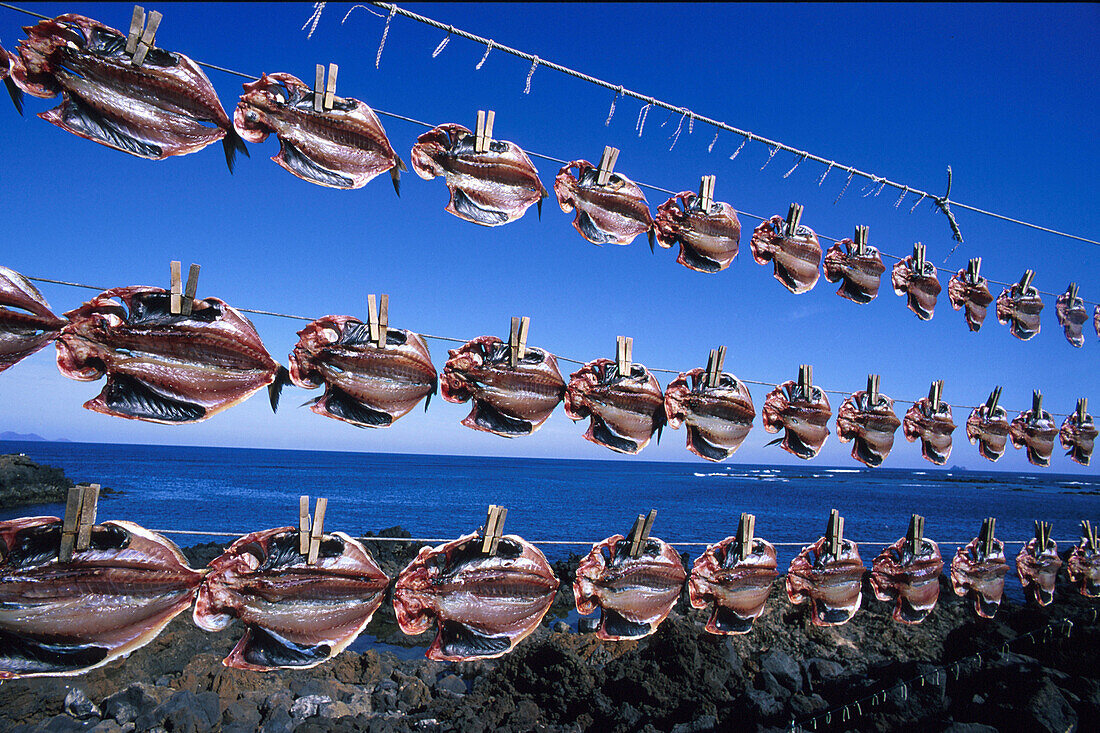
(395, 176)
(651, 241)
(400, 163)
(539, 205)
(282, 379)
(232, 144)
(15, 93)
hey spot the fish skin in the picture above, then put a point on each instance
(614, 213)
(335, 351)
(911, 581)
(1096, 319)
(491, 188)
(110, 599)
(803, 422)
(26, 322)
(204, 363)
(262, 580)
(1020, 311)
(921, 288)
(740, 588)
(796, 258)
(871, 427)
(7, 62)
(1072, 316)
(980, 577)
(833, 588)
(1038, 571)
(1078, 438)
(502, 597)
(708, 240)
(526, 395)
(1037, 433)
(630, 409)
(162, 104)
(1083, 568)
(934, 428)
(718, 418)
(347, 140)
(974, 296)
(988, 432)
(640, 590)
(861, 274)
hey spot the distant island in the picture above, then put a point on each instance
(30, 438)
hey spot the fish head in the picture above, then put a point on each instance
(467, 365)
(313, 341)
(267, 99)
(566, 183)
(677, 394)
(430, 153)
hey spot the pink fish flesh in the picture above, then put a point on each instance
(736, 588)
(911, 580)
(718, 418)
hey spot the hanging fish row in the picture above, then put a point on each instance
(184, 365)
(339, 142)
(303, 596)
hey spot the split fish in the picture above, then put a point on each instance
(63, 619)
(922, 288)
(872, 427)
(366, 386)
(614, 213)
(1078, 438)
(832, 586)
(933, 426)
(634, 595)
(738, 588)
(344, 147)
(1083, 568)
(708, 239)
(974, 296)
(163, 108)
(483, 605)
(295, 615)
(507, 401)
(989, 430)
(911, 580)
(26, 322)
(491, 188)
(7, 61)
(979, 576)
(802, 418)
(1072, 316)
(165, 368)
(1037, 433)
(717, 418)
(625, 410)
(796, 255)
(861, 273)
(1019, 309)
(1038, 570)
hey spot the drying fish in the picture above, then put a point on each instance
(7, 61)
(491, 188)
(980, 576)
(161, 367)
(165, 107)
(614, 213)
(911, 580)
(1019, 306)
(717, 418)
(918, 281)
(738, 588)
(1083, 568)
(482, 604)
(831, 585)
(1036, 431)
(869, 420)
(1038, 570)
(1096, 320)
(1072, 316)
(965, 292)
(507, 401)
(801, 417)
(295, 615)
(708, 239)
(364, 385)
(1078, 437)
(988, 428)
(625, 410)
(794, 252)
(861, 272)
(634, 594)
(108, 600)
(344, 147)
(26, 321)
(933, 424)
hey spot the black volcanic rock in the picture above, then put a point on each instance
(26, 483)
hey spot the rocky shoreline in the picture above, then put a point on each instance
(681, 679)
(24, 482)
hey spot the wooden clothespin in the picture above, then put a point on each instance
(1088, 535)
(607, 165)
(992, 400)
(834, 534)
(974, 270)
(80, 514)
(639, 533)
(1025, 281)
(494, 529)
(323, 97)
(745, 531)
(139, 42)
(918, 258)
(378, 319)
(624, 354)
(1036, 404)
(317, 528)
(794, 217)
(181, 300)
(935, 393)
(806, 380)
(715, 363)
(860, 239)
(915, 535)
(1042, 534)
(989, 525)
(1072, 291)
(706, 192)
(303, 524)
(484, 133)
(1082, 409)
(872, 390)
(517, 340)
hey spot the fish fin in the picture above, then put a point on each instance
(485, 416)
(727, 621)
(395, 176)
(339, 404)
(400, 163)
(589, 230)
(614, 626)
(907, 613)
(598, 432)
(232, 144)
(74, 116)
(275, 389)
(704, 448)
(462, 206)
(538, 206)
(830, 616)
(262, 648)
(692, 260)
(301, 165)
(25, 655)
(126, 396)
(459, 640)
(651, 241)
(15, 93)
(777, 441)
(428, 400)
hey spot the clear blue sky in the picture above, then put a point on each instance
(1005, 94)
